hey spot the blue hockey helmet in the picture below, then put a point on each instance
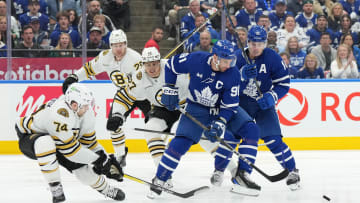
(224, 49)
(257, 34)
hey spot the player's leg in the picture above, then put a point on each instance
(271, 133)
(42, 148)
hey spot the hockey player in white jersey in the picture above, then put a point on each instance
(61, 132)
(117, 62)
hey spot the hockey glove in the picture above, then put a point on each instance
(115, 121)
(115, 171)
(216, 129)
(72, 78)
(170, 97)
(248, 71)
(267, 101)
(102, 164)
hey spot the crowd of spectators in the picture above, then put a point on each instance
(316, 38)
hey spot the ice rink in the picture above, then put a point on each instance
(335, 174)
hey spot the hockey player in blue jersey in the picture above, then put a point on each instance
(273, 78)
(213, 100)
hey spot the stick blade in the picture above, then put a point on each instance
(279, 176)
(192, 192)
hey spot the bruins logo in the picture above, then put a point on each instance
(139, 75)
(63, 112)
(119, 79)
(158, 97)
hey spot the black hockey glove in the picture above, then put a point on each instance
(102, 164)
(115, 121)
(115, 171)
(68, 81)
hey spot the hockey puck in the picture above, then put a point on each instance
(326, 197)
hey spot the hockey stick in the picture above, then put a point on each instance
(182, 195)
(173, 134)
(241, 46)
(274, 178)
(171, 52)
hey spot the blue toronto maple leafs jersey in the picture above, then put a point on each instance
(272, 74)
(209, 88)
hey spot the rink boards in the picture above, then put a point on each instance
(316, 115)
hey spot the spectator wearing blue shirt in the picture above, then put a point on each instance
(311, 70)
(345, 27)
(230, 31)
(21, 6)
(264, 21)
(249, 15)
(297, 56)
(277, 17)
(188, 21)
(34, 7)
(307, 18)
(286, 58)
(352, 8)
(266, 5)
(41, 38)
(320, 27)
(348, 39)
(64, 26)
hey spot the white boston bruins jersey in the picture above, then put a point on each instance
(69, 131)
(105, 62)
(144, 87)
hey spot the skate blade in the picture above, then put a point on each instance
(244, 191)
(294, 187)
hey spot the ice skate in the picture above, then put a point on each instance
(113, 193)
(169, 184)
(57, 192)
(154, 191)
(293, 180)
(244, 185)
(217, 178)
(122, 159)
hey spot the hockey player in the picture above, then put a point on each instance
(117, 62)
(273, 79)
(61, 132)
(213, 100)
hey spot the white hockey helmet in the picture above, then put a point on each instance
(117, 36)
(150, 54)
(80, 94)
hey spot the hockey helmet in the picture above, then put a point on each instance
(257, 34)
(224, 49)
(80, 94)
(117, 36)
(150, 54)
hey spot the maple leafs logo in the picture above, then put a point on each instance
(206, 97)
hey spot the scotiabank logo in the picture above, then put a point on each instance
(304, 108)
(35, 96)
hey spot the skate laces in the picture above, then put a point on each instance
(217, 176)
(110, 192)
(293, 175)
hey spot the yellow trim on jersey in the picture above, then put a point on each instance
(46, 153)
(68, 140)
(73, 152)
(128, 95)
(67, 146)
(22, 124)
(50, 171)
(94, 146)
(118, 139)
(29, 123)
(89, 134)
(125, 99)
(123, 104)
(156, 147)
(43, 164)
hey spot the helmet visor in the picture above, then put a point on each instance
(228, 60)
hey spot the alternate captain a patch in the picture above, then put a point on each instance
(63, 112)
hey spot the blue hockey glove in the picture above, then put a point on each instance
(248, 71)
(216, 129)
(267, 101)
(170, 97)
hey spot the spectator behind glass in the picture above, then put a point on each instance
(156, 36)
(21, 7)
(307, 18)
(295, 6)
(348, 39)
(344, 66)
(74, 19)
(265, 22)
(297, 56)
(55, 6)
(205, 42)
(64, 42)
(290, 29)
(41, 38)
(323, 7)
(95, 42)
(249, 15)
(271, 41)
(324, 53)
(119, 13)
(3, 48)
(94, 8)
(277, 17)
(15, 26)
(310, 70)
(99, 21)
(242, 33)
(351, 7)
(28, 36)
(188, 21)
(34, 8)
(335, 16)
(3, 29)
(230, 31)
(345, 27)
(171, 8)
(64, 26)
(286, 58)
(320, 27)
